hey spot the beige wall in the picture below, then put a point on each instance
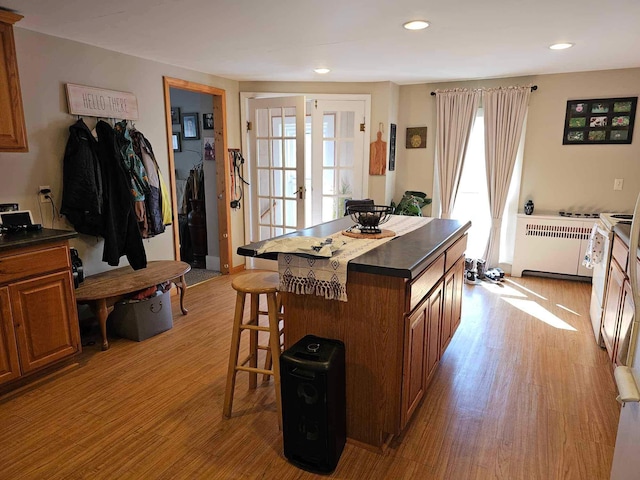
(577, 177)
(384, 102)
(557, 177)
(45, 64)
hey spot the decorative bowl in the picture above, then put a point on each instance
(369, 217)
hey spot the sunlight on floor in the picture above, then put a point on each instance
(502, 289)
(568, 309)
(524, 288)
(538, 311)
(515, 296)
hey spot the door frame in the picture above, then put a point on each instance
(223, 170)
(244, 118)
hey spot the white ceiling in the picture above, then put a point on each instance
(359, 40)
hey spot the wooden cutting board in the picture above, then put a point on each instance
(378, 156)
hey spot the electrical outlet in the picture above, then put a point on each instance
(43, 192)
(617, 184)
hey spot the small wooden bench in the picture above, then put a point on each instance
(103, 290)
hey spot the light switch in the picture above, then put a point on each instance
(617, 184)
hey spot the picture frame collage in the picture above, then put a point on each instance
(600, 121)
(187, 127)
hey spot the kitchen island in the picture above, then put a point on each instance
(404, 304)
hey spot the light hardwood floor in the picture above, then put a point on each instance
(515, 397)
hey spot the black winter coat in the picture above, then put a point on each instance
(82, 195)
(121, 233)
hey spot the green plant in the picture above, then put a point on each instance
(411, 203)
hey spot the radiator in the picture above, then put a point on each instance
(551, 244)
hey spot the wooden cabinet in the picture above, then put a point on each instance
(431, 325)
(13, 136)
(38, 317)
(613, 298)
(422, 350)
(9, 365)
(619, 306)
(453, 303)
(392, 330)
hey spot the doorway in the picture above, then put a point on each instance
(201, 200)
(305, 156)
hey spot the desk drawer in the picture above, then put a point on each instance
(425, 282)
(33, 261)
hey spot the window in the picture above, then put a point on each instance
(472, 202)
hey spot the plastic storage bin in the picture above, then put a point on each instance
(141, 320)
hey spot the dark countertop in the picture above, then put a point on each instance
(624, 232)
(406, 256)
(26, 238)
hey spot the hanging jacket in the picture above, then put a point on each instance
(132, 163)
(121, 233)
(153, 200)
(82, 194)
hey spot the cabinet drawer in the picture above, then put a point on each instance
(454, 252)
(620, 252)
(31, 262)
(425, 282)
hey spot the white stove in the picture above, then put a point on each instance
(610, 219)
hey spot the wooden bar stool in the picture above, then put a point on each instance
(255, 283)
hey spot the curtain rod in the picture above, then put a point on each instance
(533, 89)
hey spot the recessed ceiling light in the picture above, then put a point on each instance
(416, 25)
(561, 46)
(321, 70)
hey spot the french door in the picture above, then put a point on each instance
(277, 153)
(337, 157)
(306, 157)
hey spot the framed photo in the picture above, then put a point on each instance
(392, 147)
(207, 121)
(209, 149)
(416, 137)
(175, 115)
(190, 126)
(176, 142)
(599, 121)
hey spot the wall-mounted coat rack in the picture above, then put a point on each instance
(98, 102)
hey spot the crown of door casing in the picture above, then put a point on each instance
(223, 172)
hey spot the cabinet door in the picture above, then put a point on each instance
(13, 136)
(458, 272)
(9, 365)
(613, 297)
(435, 310)
(452, 306)
(415, 355)
(45, 318)
(446, 329)
(624, 325)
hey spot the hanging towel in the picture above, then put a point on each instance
(595, 248)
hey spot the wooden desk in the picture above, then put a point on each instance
(102, 291)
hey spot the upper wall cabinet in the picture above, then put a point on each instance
(13, 135)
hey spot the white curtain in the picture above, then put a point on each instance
(504, 113)
(455, 113)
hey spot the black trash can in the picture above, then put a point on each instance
(312, 380)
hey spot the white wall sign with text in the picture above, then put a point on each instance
(98, 102)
